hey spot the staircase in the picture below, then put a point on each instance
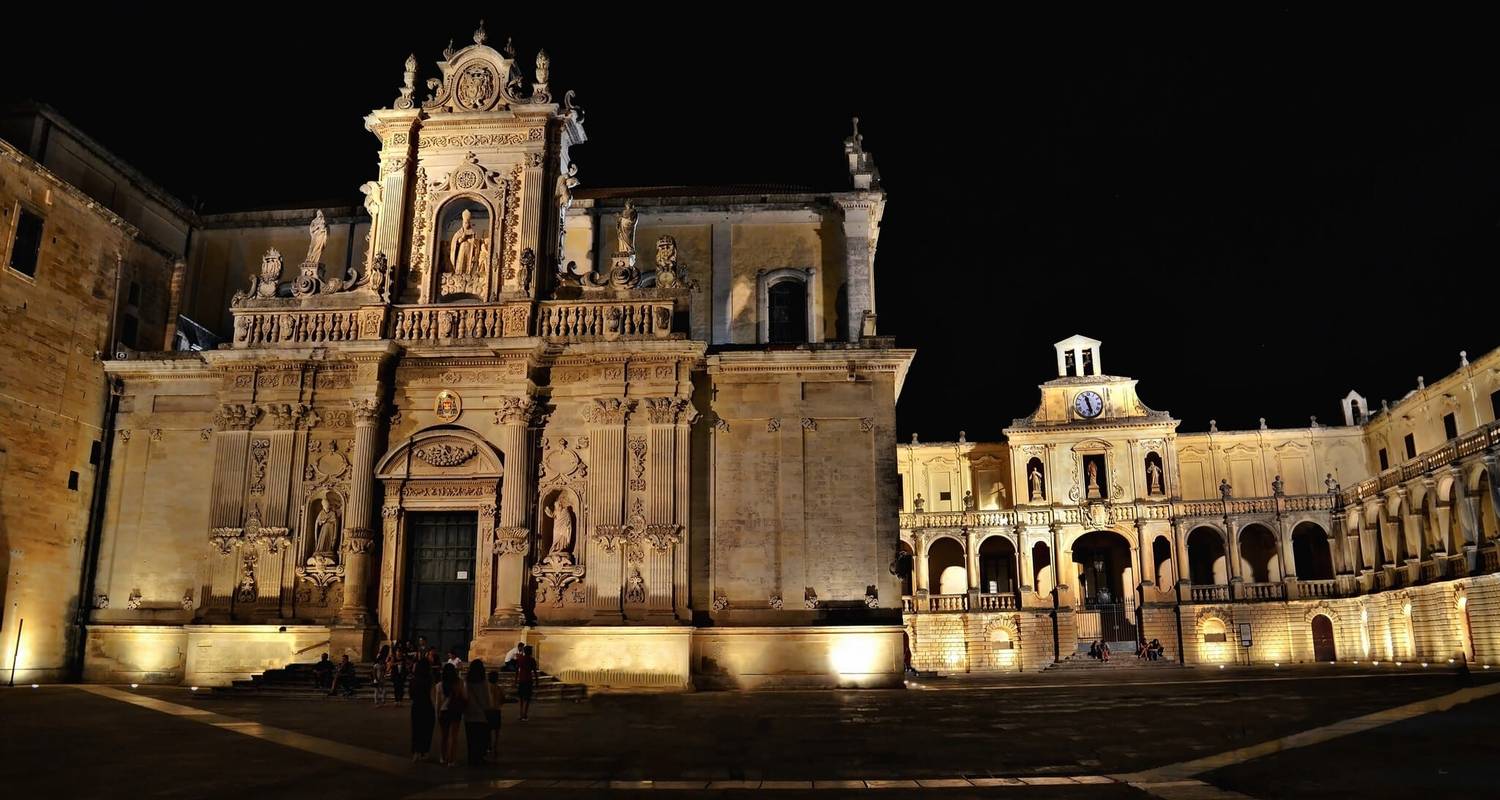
(295, 681)
(1121, 657)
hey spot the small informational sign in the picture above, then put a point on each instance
(994, 587)
(463, 575)
(1244, 634)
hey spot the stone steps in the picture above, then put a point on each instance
(295, 681)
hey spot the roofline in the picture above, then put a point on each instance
(70, 190)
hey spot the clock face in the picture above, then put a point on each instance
(1088, 404)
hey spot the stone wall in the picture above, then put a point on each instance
(53, 327)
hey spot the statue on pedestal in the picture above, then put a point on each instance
(625, 232)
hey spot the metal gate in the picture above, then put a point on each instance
(440, 579)
(1108, 623)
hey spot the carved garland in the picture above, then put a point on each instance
(446, 455)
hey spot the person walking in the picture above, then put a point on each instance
(497, 701)
(423, 714)
(476, 713)
(526, 669)
(380, 672)
(450, 708)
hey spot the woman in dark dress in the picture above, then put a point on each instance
(423, 715)
(399, 674)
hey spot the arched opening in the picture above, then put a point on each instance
(997, 566)
(1161, 562)
(1156, 481)
(909, 558)
(1036, 480)
(1400, 553)
(1103, 562)
(1041, 568)
(1215, 647)
(1322, 636)
(463, 255)
(1259, 562)
(945, 567)
(1310, 552)
(1206, 563)
(786, 312)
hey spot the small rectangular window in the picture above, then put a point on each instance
(1385, 462)
(945, 495)
(1411, 445)
(26, 247)
(1450, 426)
(94, 448)
(73, 480)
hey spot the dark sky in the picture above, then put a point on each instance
(1254, 219)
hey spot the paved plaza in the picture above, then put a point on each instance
(1304, 732)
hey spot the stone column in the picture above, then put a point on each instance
(232, 424)
(1147, 555)
(535, 201)
(664, 477)
(971, 563)
(512, 540)
(1232, 556)
(919, 563)
(359, 517)
(1023, 561)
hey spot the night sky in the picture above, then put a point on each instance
(1253, 220)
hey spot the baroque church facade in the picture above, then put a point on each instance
(1374, 541)
(649, 431)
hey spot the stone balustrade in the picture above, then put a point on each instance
(606, 320)
(1218, 593)
(1449, 452)
(948, 602)
(1307, 590)
(1118, 512)
(1261, 591)
(1489, 559)
(998, 602)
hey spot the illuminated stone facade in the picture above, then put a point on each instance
(659, 420)
(1095, 507)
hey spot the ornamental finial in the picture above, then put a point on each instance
(479, 35)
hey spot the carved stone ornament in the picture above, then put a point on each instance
(248, 590)
(556, 572)
(189, 600)
(667, 275)
(721, 601)
(358, 541)
(773, 424)
(721, 425)
(101, 601)
(666, 410)
(810, 598)
(515, 411)
(660, 537)
(224, 539)
(637, 447)
(134, 601)
(260, 451)
(872, 596)
(775, 602)
(635, 587)
(561, 463)
(608, 411)
(608, 536)
(512, 541)
(274, 537)
(446, 455)
(321, 570)
(235, 416)
(866, 424)
(448, 405)
(809, 424)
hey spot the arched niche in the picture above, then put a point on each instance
(465, 248)
(325, 508)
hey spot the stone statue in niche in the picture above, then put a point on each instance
(1278, 486)
(917, 503)
(326, 528)
(1093, 484)
(561, 514)
(1224, 490)
(1035, 477)
(465, 248)
(1153, 478)
(969, 502)
(625, 233)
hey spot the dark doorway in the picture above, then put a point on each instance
(440, 579)
(1322, 633)
(788, 312)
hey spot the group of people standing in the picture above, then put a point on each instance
(447, 693)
